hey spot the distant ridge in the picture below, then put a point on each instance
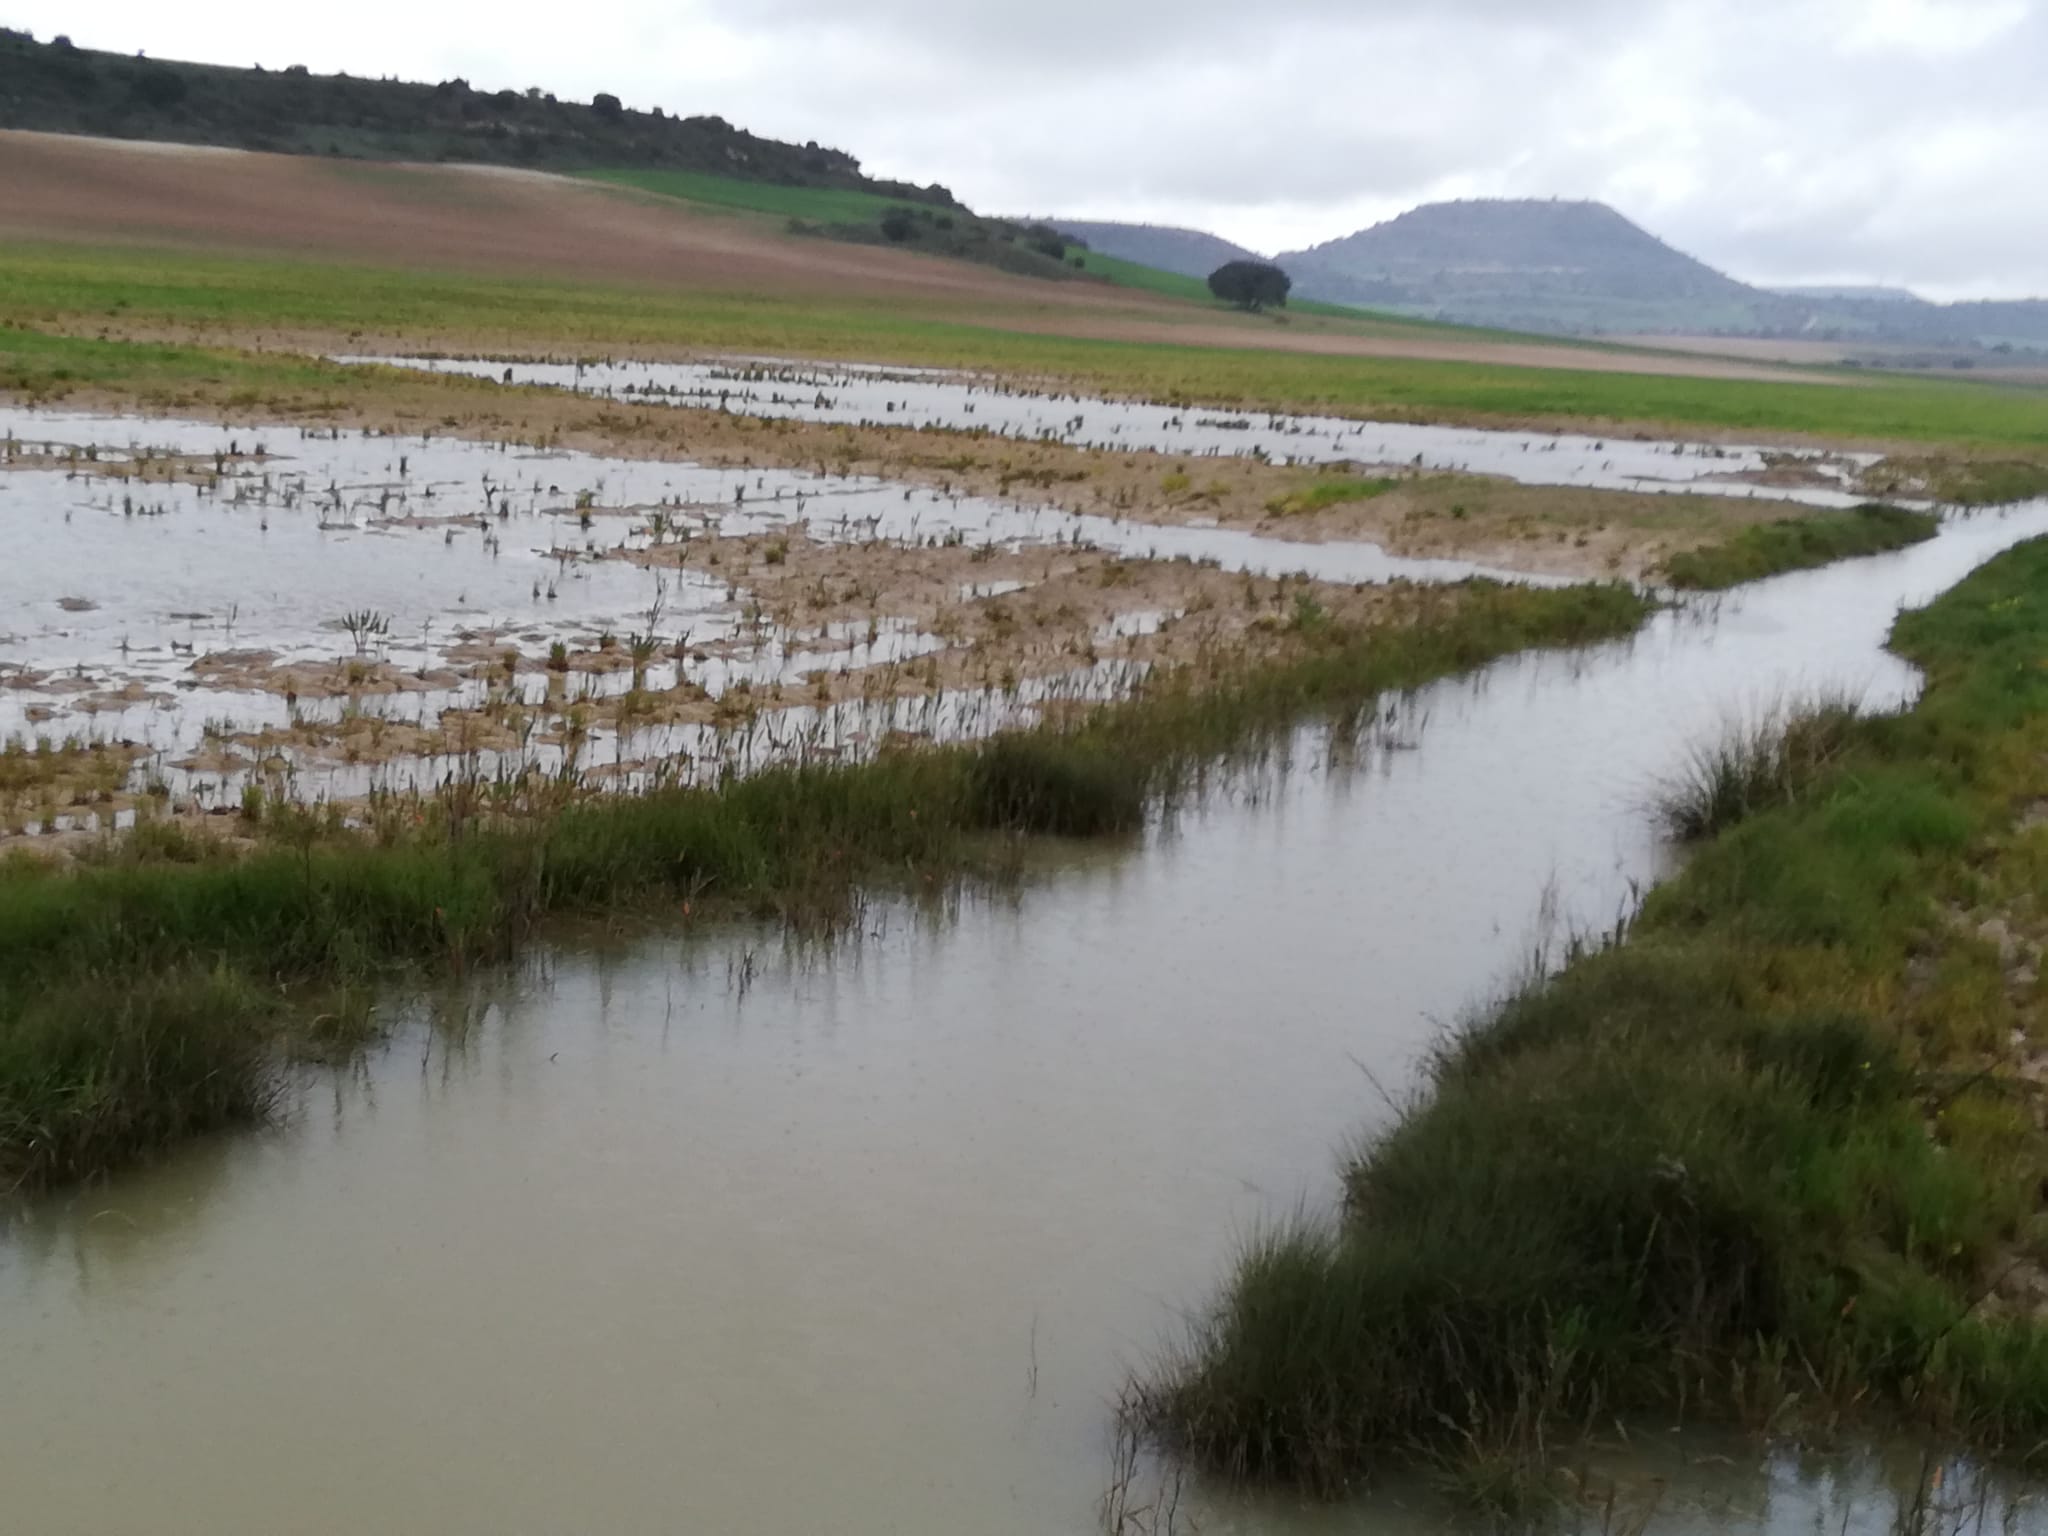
(1533, 265)
(55, 87)
(1581, 268)
(1189, 252)
(1862, 293)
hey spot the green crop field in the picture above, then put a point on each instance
(823, 205)
(71, 294)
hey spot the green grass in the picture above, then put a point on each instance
(44, 366)
(77, 290)
(823, 205)
(1975, 481)
(1981, 485)
(1798, 544)
(1131, 274)
(147, 995)
(1766, 1160)
(1336, 491)
(1772, 761)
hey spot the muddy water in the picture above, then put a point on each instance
(860, 396)
(700, 1234)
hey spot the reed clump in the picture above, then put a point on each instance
(1798, 544)
(319, 904)
(1777, 1157)
(1754, 765)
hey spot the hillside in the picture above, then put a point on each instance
(1189, 252)
(54, 87)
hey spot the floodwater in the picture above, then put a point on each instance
(849, 394)
(119, 595)
(703, 1233)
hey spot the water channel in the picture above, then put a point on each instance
(701, 1232)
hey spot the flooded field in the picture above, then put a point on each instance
(194, 609)
(716, 1233)
(872, 397)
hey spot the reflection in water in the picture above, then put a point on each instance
(712, 1233)
(155, 612)
(854, 395)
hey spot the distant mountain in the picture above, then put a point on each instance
(2000, 322)
(1580, 268)
(1190, 252)
(1533, 265)
(1860, 293)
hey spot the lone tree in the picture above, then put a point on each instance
(1250, 285)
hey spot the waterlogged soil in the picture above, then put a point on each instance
(712, 1230)
(1036, 610)
(1490, 519)
(324, 614)
(846, 395)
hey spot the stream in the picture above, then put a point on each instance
(711, 1232)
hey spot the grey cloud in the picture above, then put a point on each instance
(1084, 37)
(1777, 139)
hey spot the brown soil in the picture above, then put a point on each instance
(344, 677)
(465, 218)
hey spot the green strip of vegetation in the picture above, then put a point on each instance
(45, 367)
(1972, 481)
(1777, 1157)
(829, 205)
(146, 993)
(1798, 544)
(1334, 492)
(71, 288)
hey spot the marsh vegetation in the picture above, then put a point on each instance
(1775, 1157)
(211, 948)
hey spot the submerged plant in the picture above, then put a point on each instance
(365, 625)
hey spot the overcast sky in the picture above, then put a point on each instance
(1896, 141)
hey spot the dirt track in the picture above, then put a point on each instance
(479, 219)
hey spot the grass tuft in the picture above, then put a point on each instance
(147, 993)
(1799, 544)
(1335, 492)
(1751, 767)
(1774, 1159)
